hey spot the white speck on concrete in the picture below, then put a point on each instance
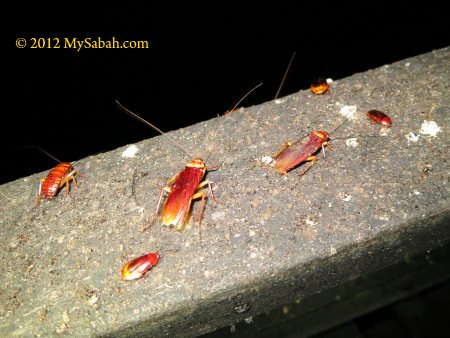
(352, 142)
(251, 233)
(430, 128)
(384, 131)
(416, 192)
(266, 159)
(346, 197)
(332, 250)
(407, 64)
(139, 209)
(130, 152)
(311, 220)
(329, 80)
(219, 215)
(253, 255)
(412, 137)
(282, 100)
(349, 112)
(93, 300)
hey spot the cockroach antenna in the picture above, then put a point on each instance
(179, 146)
(251, 91)
(347, 137)
(284, 76)
(338, 126)
(235, 106)
(41, 150)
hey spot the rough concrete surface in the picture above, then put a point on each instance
(273, 240)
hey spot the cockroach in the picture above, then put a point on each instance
(184, 187)
(62, 174)
(138, 267)
(294, 153)
(181, 188)
(379, 117)
(319, 86)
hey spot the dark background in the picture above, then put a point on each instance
(199, 63)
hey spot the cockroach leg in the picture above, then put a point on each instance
(38, 197)
(312, 160)
(286, 145)
(323, 147)
(201, 194)
(166, 189)
(68, 179)
(209, 184)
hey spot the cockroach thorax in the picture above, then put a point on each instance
(323, 135)
(196, 163)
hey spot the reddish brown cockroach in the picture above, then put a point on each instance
(379, 117)
(294, 153)
(320, 86)
(61, 174)
(137, 267)
(184, 186)
(181, 188)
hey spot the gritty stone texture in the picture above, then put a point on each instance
(273, 240)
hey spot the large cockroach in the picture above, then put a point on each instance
(62, 174)
(184, 187)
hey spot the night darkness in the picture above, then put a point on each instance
(199, 63)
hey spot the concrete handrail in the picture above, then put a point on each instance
(273, 240)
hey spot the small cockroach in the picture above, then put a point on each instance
(319, 86)
(379, 117)
(62, 174)
(139, 266)
(184, 187)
